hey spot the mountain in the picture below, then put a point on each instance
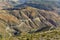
(51, 5)
(28, 19)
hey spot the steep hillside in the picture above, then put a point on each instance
(28, 19)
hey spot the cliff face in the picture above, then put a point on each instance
(28, 19)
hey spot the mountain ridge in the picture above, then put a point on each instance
(29, 20)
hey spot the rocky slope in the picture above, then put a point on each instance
(27, 19)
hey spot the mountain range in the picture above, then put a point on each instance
(30, 16)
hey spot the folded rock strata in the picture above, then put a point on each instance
(28, 19)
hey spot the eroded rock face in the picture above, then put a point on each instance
(29, 19)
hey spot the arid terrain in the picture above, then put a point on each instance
(31, 20)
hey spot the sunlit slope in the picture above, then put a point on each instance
(29, 18)
(48, 35)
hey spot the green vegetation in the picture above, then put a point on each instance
(0, 36)
(48, 35)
